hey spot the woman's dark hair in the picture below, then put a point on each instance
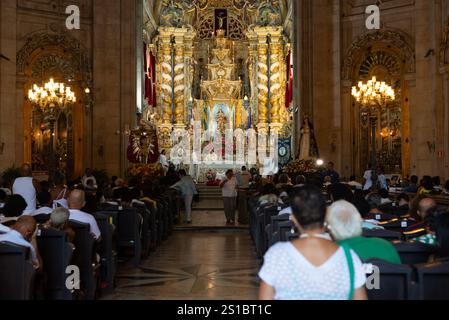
(340, 191)
(269, 189)
(442, 234)
(427, 183)
(182, 172)
(58, 178)
(44, 197)
(308, 206)
(360, 203)
(374, 200)
(383, 193)
(15, 206)
(3, 195)
(436, 181)
(229, 171)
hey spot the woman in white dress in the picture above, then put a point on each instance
(312, 267)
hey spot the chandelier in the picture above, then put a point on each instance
(373, 92)
(51, 96)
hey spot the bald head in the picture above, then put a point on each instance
(77, 199)
(25, 170)
(25, 225)
(426, 207)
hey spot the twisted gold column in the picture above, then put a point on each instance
(179, 85)
(262, 77)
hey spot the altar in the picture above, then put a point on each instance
(231, 83)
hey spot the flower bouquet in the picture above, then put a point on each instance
(302, 167)
(141, 170)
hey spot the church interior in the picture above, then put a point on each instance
(221, 149)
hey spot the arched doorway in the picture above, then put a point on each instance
(387, 56)
(55, 55)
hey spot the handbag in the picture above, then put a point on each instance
(350, 263)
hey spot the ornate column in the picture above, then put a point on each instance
(175, 56)
(277, 77)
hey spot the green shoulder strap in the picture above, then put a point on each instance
(351, 270)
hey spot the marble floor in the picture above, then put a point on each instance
(212, 219)
(203, 265)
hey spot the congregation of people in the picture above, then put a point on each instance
(333, 225)
(29, 208)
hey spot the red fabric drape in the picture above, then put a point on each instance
(289, 87)
(150, 76)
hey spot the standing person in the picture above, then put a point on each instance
(27, 187)
(163, 161)
(187, 188)
(229, 192)
(368, 177)
(330, 172)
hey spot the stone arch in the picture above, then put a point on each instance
(55, 53)
(54, 49)
(388, 55)
(391, 41)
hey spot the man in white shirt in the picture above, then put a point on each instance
(287, 210)
(76, 203)
(163, 161)
(4, 229)
(368, 176)
(229, 192)
(23, 233)
(26, 187)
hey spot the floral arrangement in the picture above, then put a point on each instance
(302, 166)
(211, 176)
(141, 170)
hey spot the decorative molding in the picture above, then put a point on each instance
(389, 38)
(60, 44)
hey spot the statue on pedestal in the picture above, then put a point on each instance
(308, 148)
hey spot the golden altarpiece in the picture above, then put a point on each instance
(222, 65)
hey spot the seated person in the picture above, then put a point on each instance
(269, 195)
(76, 203)
(402, 204)
(345, 225)
(426, 186)
(45, 203)
(300, 181)
(413, 186)
(426, 210)
(312, 267)
(23, 233)
(3, 197)
(327, 181)
(384, 197)
(340, 191)
(374, 201)
(353, 184)
(14, 208)
(442, 234)
(59, 220)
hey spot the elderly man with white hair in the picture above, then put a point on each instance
(345, 225)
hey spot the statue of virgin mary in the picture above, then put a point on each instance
(308, 148)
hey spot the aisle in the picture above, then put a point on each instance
(194, 265)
